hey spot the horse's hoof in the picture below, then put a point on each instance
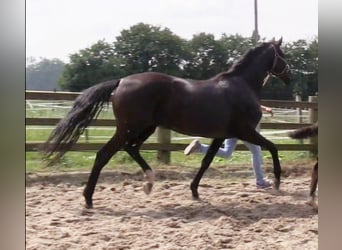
(88, 206)
(196, 198)
(195, 195)
(313, 205)
(315, 208)
(276, 184)
(194, 191)
(148, 188)
(88, 203)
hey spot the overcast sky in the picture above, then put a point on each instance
(58, 28)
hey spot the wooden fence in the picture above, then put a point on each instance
(164, 145)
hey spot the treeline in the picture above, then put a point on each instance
(144, 47)
(43, 73)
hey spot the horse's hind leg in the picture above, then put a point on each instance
(313, 187)
(102, 158)
(132, 147)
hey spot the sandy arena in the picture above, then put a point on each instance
(232, 214)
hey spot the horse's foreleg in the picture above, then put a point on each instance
(215, 145)
(276, 164)
(254, 137)
(102, 158)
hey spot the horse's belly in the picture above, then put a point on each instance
(199, 127)
(204, 133)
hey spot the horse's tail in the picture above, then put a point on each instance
(86, 108)
(305, 132)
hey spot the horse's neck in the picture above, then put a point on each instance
(253, 72)
(255, 78)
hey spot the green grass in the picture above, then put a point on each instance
(78, 161)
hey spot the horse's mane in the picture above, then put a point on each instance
(246, 59)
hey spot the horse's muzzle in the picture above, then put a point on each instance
(286, 76)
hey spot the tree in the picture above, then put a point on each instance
(43, 74)
(235, 46)
(312, 79)
(90, 66)
(145, 47)
(208, 57)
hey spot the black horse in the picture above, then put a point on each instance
(226, 105)
(305, 132)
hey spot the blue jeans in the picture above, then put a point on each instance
(229, 147)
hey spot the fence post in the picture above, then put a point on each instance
(313, 116)
(299, 114)
(86, 134)
(299, 110)
(164, 138)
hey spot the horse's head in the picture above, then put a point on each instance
(279, 68)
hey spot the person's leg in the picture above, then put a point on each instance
(228, 149)
(225, 152)
(196, 147)
(193, 147)
(256, 162)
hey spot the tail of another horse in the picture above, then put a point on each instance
(305, 132)
(86, 108)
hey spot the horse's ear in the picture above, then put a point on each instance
(273, 40)
(280, 41)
